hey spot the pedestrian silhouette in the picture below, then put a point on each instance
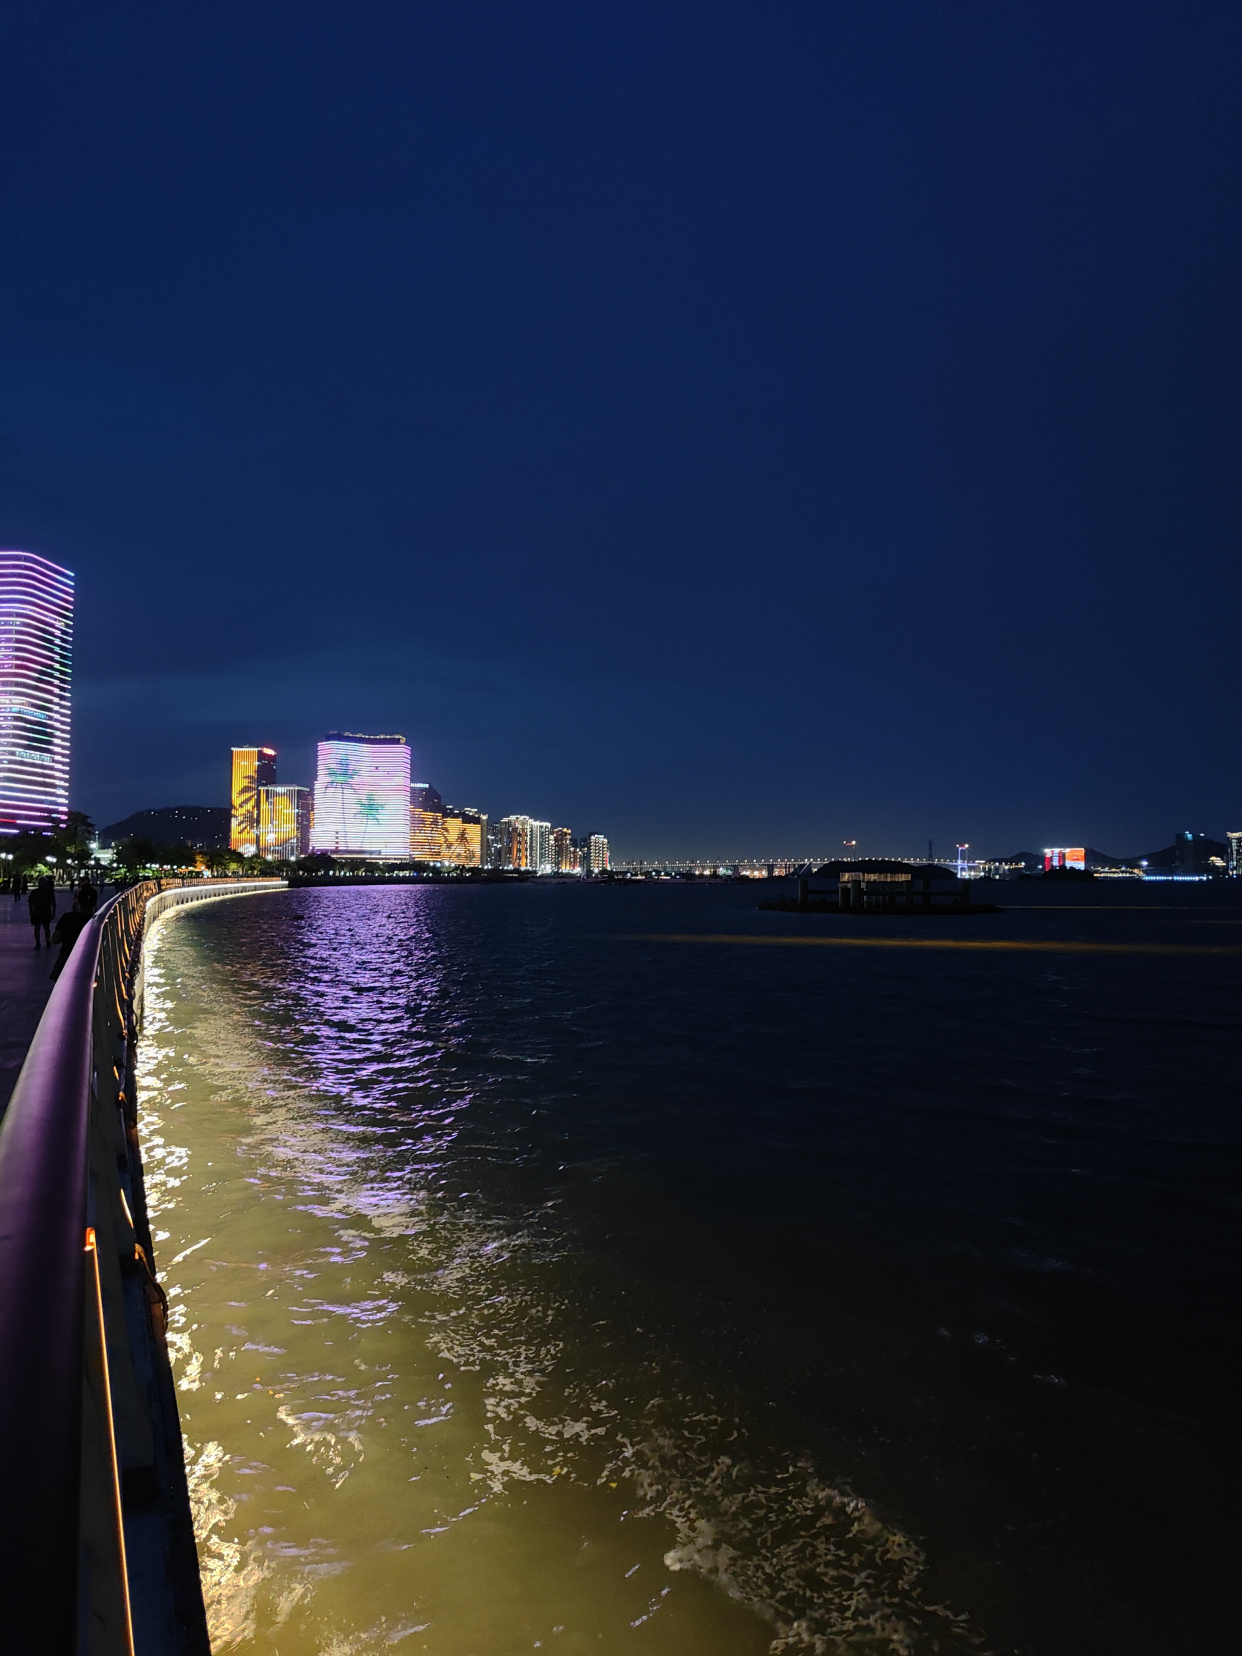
(68, 929)
(41, 904)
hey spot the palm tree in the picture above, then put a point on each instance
(370, 810)
(342, 774)
(246, 810)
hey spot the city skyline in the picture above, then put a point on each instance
(621, 821)
(363, 805)
(467, 837)
(36, 619)
(666, 471)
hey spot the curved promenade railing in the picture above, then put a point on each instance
(97, 1553)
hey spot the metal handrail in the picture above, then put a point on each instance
(97, 1552)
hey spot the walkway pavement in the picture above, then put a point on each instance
(24, 985)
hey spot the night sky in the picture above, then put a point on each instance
(735, 428)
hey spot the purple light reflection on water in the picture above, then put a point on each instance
(602, 1212)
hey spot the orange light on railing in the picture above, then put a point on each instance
(92, 1248)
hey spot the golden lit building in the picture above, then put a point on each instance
(426, 822)
(284, 822)
(565, 855)
(254, 768)
(461, 839)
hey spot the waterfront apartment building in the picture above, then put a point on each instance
(495, 845)
(565, 855)
(540, 849)
(36, 657)
(426, 822)
(525, 843)
(254, 768)
(1234, 842)
(284, 822)
(528, 844)
(512, 847)
(362, 797)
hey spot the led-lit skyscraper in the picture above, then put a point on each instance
(463, 837)
(362, 796)
(254, 768)
(284, 822)
(36, 650)
(426, 821)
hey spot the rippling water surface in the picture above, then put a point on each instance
(552, 1269)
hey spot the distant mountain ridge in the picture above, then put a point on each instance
(1033, 860)
(205, 827)
(1168, 856)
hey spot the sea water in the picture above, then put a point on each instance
(607, 1268)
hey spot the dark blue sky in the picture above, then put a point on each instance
(735, 427)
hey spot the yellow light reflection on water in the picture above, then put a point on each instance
(402, 1433)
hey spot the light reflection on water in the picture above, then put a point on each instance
(408, 1426)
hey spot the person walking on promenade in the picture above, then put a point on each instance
(88, 897)
(19, 886)
(68, 929)
(41, 902)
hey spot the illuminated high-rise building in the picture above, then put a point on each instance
(597, 853)
(565, 858)
(254, 768)
(1234, 841)
(362, 797)
(36, 650)
(426, 822)
(284, 822)
(525, 842)
(471, 815)
(463, 838)
(496, 845)
(539, 854)
(514, 841)
(1065, 856)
